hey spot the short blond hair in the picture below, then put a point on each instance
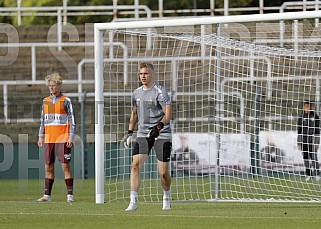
(146, 65)
(55, 77)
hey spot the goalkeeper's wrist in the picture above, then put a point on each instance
(130, 132)
(160, 125)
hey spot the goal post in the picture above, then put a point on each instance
(99, 120)
(236, 89)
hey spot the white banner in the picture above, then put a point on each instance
(199, 150)
(284, 142)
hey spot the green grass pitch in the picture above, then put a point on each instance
(18, 211)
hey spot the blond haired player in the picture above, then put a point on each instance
(152, 111)
(56, 134)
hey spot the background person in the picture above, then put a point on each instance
(308, 128)
(184, 154)
(152, 110)
(184, 158)
(56, 134)
(271, 153)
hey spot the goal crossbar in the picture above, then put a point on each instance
(209, 20)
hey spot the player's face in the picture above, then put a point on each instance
(146, 77)
(54, 88)
(306, 107)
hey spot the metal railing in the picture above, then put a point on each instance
(79, 81)
(63, 12)
(57, 11)
(70, 11)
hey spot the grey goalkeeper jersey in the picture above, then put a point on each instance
(149, 104)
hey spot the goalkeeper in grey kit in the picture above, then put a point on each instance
(152, 110)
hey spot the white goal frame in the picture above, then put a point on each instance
(101, 28)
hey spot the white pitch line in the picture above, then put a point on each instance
(170, 216)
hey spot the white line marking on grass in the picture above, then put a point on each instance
(161, 215)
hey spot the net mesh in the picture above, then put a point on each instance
(237, 91)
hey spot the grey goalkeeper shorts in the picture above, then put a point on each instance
(163, 147)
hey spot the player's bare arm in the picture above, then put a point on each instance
(133, 119)
(168, 114)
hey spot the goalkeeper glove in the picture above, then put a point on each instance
(154, 131)
(128, 138)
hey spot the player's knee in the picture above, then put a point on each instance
(135, 166)
(66, 167)
(49, 168)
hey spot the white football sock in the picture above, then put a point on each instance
(167, 194)
(133, 196)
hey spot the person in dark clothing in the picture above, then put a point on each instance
(308, 140)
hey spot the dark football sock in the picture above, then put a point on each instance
(70, 185)
(48, 186)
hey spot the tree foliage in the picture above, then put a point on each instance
(33, 3)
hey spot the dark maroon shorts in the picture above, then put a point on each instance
(59, 150)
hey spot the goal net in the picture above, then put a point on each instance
(237, 88)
